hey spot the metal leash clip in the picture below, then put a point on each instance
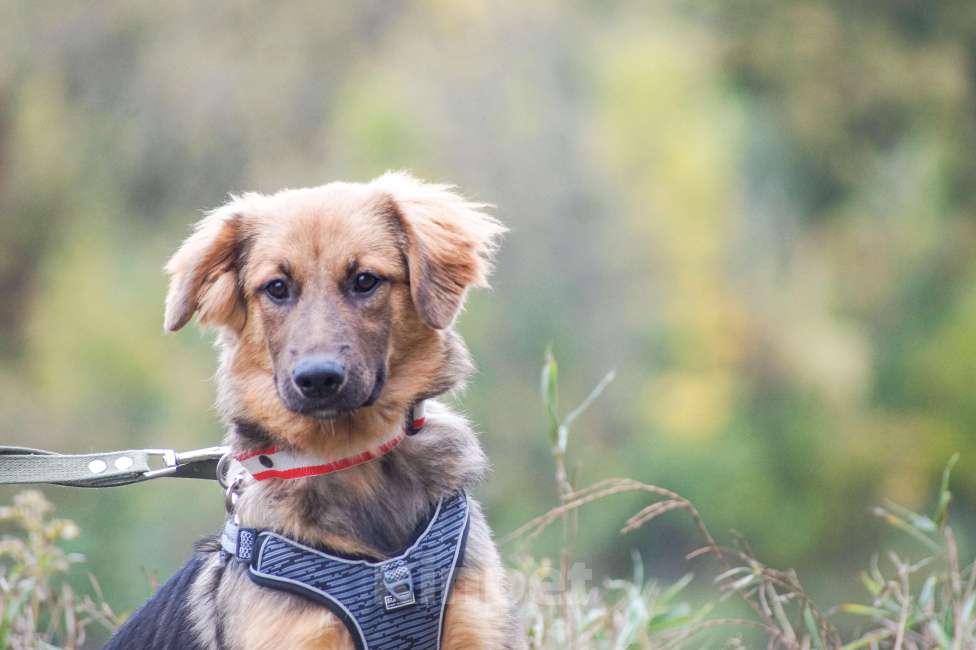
(233, 492)
(196, 463)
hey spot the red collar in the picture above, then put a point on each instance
(281, 463)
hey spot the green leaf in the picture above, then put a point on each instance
(585, 404)
(779, 613)
(725, 575)
(863, 610)
(550, 394)
(668, 594)
(936, 630)
(873, 586)
(927, 593)
(869, 640)
(967, 610)
(945, 496)
(638, 564)
(921, 522)
(812, 628)
(906, 527)
(673, 619)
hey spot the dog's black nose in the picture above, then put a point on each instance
(317, 377)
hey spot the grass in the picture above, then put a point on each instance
(924, 602)
(909, 604)
(38, 609)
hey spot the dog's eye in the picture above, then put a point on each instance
(277, 289)
(365, 282)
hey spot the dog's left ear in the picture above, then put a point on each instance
(449, 244)
(203, 273)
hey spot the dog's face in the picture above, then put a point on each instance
(323, 281)
(333, 301)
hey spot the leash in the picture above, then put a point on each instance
(24, 465)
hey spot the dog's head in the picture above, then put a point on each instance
(335, 304)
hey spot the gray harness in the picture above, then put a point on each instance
(396, 603)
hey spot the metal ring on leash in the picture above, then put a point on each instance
(223, 466)
(233, 491)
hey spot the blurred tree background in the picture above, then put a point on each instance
(760, 213)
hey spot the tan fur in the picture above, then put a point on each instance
(269, 623)
(203, 274)
(476, 614)
(450, 244)
(431, 245)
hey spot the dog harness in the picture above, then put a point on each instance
(392, 604)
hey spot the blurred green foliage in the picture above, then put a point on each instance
(759, 213)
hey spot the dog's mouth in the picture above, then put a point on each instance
(378, 385)
(324, 414)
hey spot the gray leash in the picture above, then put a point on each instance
(21, 465)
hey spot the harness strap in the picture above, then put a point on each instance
(21, 465)
(390, 604)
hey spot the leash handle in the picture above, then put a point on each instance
(23, 465)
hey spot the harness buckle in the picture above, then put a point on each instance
(399, 585)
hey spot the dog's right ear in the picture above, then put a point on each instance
(203, 273)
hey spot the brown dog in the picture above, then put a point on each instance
(334, 307)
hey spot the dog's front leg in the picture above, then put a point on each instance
(298, 628)
(478, 614)
(256, 618)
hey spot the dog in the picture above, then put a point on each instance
(334, 308)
